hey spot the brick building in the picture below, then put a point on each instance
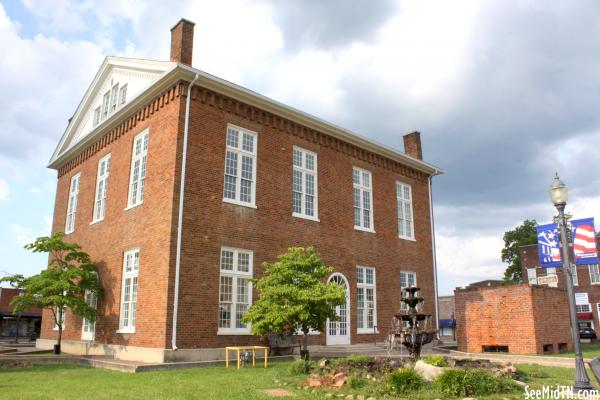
(26, 324)
(519, 319)
(586, 283)
(176, 230)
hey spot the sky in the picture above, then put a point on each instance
(503, 93)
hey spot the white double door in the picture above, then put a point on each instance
(338, 332)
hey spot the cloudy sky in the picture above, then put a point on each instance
(504, 93)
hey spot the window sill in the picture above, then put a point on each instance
(407, 238)
(360, 228)
(306, 217)
(239, 203)
(241, 333)
(126, 330)
(69, 232)
(133, 206)
(95, 222)
(366, 332)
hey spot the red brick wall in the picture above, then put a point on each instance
(148, 226)
(522, 317)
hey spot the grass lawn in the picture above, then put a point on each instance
(73, 382)
(590, 350)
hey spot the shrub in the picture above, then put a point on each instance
(404, 380)
(356, 382)
(436, 361)
(359, 359)
(471, 382)
(300, 367)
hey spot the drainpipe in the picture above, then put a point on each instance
(435, 282)
(180, 214)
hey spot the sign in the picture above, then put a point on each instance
(547, 280)
(584, 241)
(581, 298)
(549, 246)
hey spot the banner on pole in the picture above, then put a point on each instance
(584, 241)
(549, 246)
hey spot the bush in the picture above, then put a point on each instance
(403, 381)
(300, 367)
(356, 382)
(359, 359)
(471, 382)
(436, 361)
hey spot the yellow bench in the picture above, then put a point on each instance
(238, 348)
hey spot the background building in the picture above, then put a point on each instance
(447, 321)
(175, 250)
(28, 322)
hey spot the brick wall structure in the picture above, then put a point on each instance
(520, 319)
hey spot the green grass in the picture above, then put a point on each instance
(72, 382)
(589, 350)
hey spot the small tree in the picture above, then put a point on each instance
(61, 286)
(293, 296)
(524, 234)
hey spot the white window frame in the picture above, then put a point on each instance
(574, 275)
(236, 275)
(88, 329)
(123, 95)
(583, 308)
(305, 171)
(362, 188)
(105, 105)
(137, 181)
(97, 116)
(129, 304)
(532, 276)
(101, 188)
(594, 271)
(404, 306)
(72, 203)
(402, 203)
(363, 286)
(240, 152)
(114, 98)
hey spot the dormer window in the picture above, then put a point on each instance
(105, 104)
(113, 98)
(97, 114)
(123, 95)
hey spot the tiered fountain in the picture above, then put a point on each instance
(416, 333)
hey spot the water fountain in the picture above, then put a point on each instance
(410, 328)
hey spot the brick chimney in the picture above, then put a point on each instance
(182, 42)
(412, 145)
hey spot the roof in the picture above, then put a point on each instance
(174, 72)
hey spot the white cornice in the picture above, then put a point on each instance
(208, 81)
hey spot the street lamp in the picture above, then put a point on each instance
(559, 194)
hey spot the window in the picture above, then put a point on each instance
(240, 167)
(366, 303)
(363, 211)
(574, 275)
(131, 268)
(113, 98)
(105, 104)
(552, 271)
(97, 115)
(594, 273)
(89, 328)
(138, 169)
(580, 308)
(235, 289)
(532, 276)
(407, 279)
(123, 94)
(405, 212)
(72, 205)
(101, 188)
(304, 185)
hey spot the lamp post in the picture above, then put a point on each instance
(559, 194)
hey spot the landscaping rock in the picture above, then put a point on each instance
(323, 363)
(350, 397)
(360, 397)
(428, 372)
(314, 383)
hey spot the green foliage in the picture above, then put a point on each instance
(404, 381)
(471, 382)
(524, 234)
(436, 361)
(300, 367)
(360, 359)
(293, 296)
(62, 285)
(356, 382)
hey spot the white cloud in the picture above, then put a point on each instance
(48, 223)
(4, 190)
(35, 190)
(23, 235)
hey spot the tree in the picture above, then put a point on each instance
(524, 234)
(63, 285)
(293, 296)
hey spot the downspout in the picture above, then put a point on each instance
(180, 214)
(435, 279)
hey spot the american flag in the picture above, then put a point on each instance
(584, 241)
